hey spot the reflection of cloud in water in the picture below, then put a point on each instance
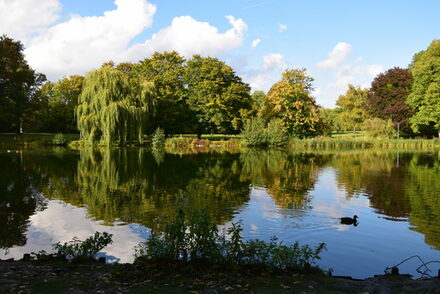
(61, 222)
(330, 198)
(265, 203)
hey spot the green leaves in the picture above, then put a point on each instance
(198, 238)
(290, 100)
(88, 248)
(425, 96)
(18, 84)
(217, 95)
(352, 113)
(112, 110)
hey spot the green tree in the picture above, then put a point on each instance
(111, 110)
(166, 71)
(258, 98)
(425, 96)
(219, 97)
(18, 85)
(331, 116)
(53, 109)
(352, 111)
(290, 100)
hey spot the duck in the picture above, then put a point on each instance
(349, 220)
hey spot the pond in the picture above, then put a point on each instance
(47, 196)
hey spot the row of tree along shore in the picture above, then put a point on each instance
(123, 103)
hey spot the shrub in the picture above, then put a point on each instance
(199, 239)
(158, 138)
(59, 140)
(254, 132)
(379, 128)
(276, 132)
(77, 249)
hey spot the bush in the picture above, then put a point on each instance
(59, 140)
(254, 132)
(276, 132)
(379, 128)
(199, 239)
(87, 249)
(158, 138)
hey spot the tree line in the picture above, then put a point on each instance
(406, 100)
(121, 103)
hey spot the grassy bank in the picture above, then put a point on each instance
(11, 140)
(340, 141)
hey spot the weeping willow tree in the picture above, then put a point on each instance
(112, 109)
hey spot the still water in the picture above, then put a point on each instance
(47, 196)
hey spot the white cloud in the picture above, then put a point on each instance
(281, 27)
(83, 43)
(338, 54)
(269, 72)
(255, 43)
(189, 36)
(374, 69)
(343, 72)
(355, 74)
(20, 19)
(274, 60)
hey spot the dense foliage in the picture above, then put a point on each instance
(204, 95)
(54, 106)
(352, 112)
(166, 71)
(18, 85)
(256, 133)
(218, 96)
(113, 111)
(424, 99)
(291, 101)
(387, 96)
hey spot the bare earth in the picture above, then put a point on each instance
(93, 277)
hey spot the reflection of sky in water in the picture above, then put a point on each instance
(361, 251)
(61, 222)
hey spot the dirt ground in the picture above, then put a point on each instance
(93, 277)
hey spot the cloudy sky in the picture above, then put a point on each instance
(339, 42)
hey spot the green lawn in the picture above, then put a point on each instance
(11, 140)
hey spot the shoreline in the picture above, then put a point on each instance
(60, 276)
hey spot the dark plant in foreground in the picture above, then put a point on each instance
(198, 238)
(87, 249)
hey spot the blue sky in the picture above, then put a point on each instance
(339, 42)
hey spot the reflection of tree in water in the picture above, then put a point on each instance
(57, 172)
(18, 200)
(381, 176)
(423, 192)
(129, 185)
(288, 177)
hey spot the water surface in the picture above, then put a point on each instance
(47, 196)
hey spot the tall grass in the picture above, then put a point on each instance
(362, 143)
